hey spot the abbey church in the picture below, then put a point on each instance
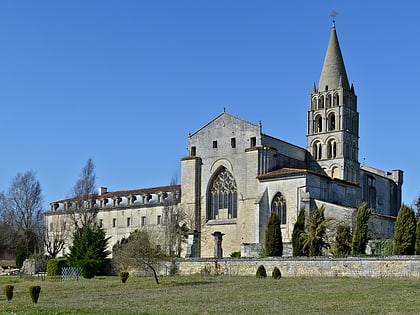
(234, 176)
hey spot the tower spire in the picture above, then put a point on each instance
(333, 70)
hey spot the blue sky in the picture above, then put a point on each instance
(124, 82)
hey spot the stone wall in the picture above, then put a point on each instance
(401, 266)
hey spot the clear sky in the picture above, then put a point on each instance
(124, 82)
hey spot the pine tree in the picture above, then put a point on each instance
(360, 237)
(405, 232)
(418, 237)
(89, 250)
(342, 244)
(273, 237)
(298, 229)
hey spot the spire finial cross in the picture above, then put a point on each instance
(333, 14)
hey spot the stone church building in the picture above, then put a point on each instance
(235, 175)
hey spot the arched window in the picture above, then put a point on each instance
(317, 150)
(335, 172)
(279, 206)
(335, 99)
(332, 149)
(321, 102)
(223, 197)
(314, 102)
(328, 100)
(318, 124)
(331, 122)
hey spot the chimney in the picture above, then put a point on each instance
(102, 191)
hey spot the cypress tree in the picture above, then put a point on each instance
(343, 238)
(405, 232)
(298, 229)
(317, 231)
(360, 238)
(418, 237)
(273, 238)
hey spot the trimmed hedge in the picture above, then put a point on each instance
(55, 265)
(261, 272)
(276, 274)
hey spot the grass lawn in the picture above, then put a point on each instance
(215, 295)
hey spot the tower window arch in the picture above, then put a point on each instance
(335, 99)
(317, 150)
(223, 196)
(331, 122)
(278, 206)
(318, 124)
(328, 101)
(332, 149)
(321, 102)
(314, 103)
(335, 172)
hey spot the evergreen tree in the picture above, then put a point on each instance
(298, 229)
(89, 250)
(405, 231)
(273, 238)
(360, 237)
(314, 241)
(418, 237)
(343, 238)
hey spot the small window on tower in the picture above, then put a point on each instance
(193, 151)
(253, 142)
(233, 142)
(214, 144)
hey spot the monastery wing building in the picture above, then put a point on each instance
(234, 176)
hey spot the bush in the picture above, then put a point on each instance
(34, 291)
(273, 238)
(261, 272)
(276, 274)
(124, 276)
(235, 255)
(8, 291)
(55, 265)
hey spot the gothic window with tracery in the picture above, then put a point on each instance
(223, 197)
(279, 206)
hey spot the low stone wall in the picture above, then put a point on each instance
(401, 266)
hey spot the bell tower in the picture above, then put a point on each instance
(333, 121)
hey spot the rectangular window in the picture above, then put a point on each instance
(143, 221)
(233, 142)
(159, 220)
(253, 142)
(101, 222)
(214, 144)
(193, 151)
(114, 222)
(128, 221)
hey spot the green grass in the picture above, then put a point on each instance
(215, 295)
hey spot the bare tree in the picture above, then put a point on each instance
(138, 251)
(84, 210)
(55, 236)
(174, 222)
(21, 208)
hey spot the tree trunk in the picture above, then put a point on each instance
(154, 273)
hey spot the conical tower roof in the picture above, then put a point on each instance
(333, 72)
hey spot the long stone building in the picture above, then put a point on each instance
(235, 175)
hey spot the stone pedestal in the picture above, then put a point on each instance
(218, 250)
(192, 245)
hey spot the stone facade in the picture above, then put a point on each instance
(235, 175)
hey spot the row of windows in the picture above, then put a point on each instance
(331, 149)
(253, 143)
(143, 221)
(325, 101)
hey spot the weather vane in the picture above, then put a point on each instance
(333, 15)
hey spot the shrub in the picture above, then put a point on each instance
(273, 238)
(405, 232)
(360, 235)
(298, 229)
(276, 274)
(55, 265)
(235, 254)
(34, 291)
(261, 272)
(8, 291)
(124, 276)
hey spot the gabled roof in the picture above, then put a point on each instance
(333, 72)
(221, 115)
(122, 193)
